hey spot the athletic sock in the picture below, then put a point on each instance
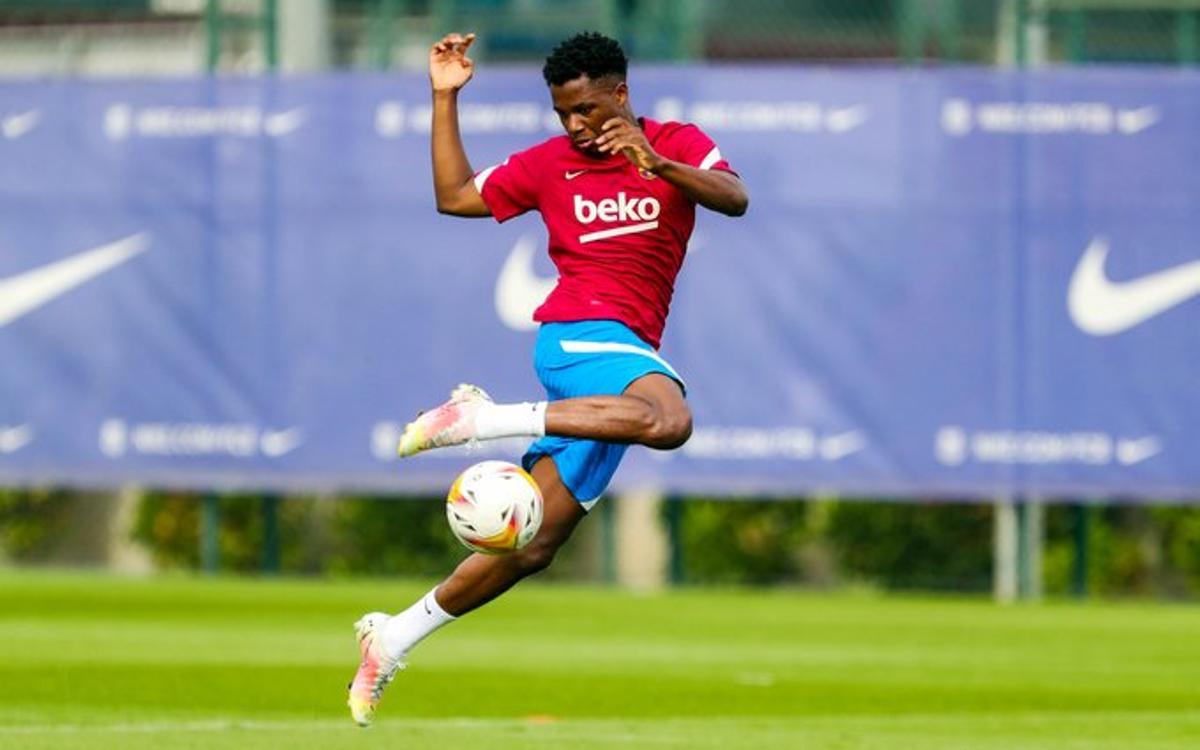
(510, 420)
(411, 626)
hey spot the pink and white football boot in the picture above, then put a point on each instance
(376, 670)
(452, 423)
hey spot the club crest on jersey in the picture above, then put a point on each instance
(647, 174)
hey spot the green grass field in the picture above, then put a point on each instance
(178, 662)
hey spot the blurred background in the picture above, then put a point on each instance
(1056, 521)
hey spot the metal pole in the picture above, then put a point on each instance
(1022, 43)
(1186, 49)
(382, 27)
(1077, 37)
(210, 508)
(949, 30)
(675, 513)
(210, 538)
(1029, 547)
(911, 32)
(1083, 534)
(270, 503)
(212, 34)
(608, 541)
(270, 542)
(1004, 550)
(270, 29)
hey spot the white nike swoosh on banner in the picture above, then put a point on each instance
(276, 443)
(25, 292)
(1102, 307)
(1130, 452)
(13, 439)
(846, 118)
(284, 123)
(836, 447)
(519, 290)
(1132, 121)
(15, 126)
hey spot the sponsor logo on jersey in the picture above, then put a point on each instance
(644, 211)
(621, 208)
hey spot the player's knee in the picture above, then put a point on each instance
(671, 429)
(537, 556)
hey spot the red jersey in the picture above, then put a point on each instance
(617, 234)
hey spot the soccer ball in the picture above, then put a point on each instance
(494, 507)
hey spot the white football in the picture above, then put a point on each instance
(494, 507)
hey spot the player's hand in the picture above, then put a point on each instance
(618, 135)
(449, 66)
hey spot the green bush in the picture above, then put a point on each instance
(742, 542)
(29, 521)
(407, 537)
(316, 535)
(1133, 550)
(932, 545)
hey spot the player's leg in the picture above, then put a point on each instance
(481, 578)
(651, 411)
(384, 641)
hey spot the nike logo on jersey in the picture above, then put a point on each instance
(1102, 307)
(25, 292)
(572, 175)
(519, 289)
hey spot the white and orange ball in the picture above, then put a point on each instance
(494, 507)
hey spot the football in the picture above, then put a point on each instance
(494, 507)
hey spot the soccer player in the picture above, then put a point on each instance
(618, 195)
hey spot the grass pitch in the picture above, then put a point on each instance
(176, 662)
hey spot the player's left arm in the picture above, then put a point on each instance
(714, 189)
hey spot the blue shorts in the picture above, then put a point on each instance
(588, 358)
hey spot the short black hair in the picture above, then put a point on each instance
(589, 53)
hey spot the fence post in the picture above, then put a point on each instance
(1030, 514)
(210, 533)
(1004, 550)
(1082, 513)
(642, 542)
(1186, 49)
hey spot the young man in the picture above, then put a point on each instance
(618, 196)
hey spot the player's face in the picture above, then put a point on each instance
(583, 105)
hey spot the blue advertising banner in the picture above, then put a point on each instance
(956, 283)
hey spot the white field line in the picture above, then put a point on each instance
(223, 725)
(599, 730)
(591, 730)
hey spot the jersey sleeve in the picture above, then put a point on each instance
(510, 188)
(693, 147)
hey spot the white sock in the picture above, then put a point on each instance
(510, 420)
(411, 626)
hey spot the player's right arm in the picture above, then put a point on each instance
(453, 179)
